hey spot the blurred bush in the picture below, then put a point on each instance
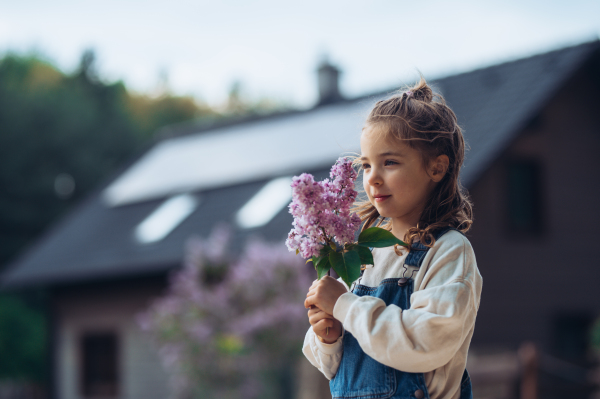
(595, 336)
(22, 341)
(61, 135)
(230, 326)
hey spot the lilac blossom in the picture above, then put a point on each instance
(227, 319)
(321, 210)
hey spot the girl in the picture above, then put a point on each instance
(403, 330)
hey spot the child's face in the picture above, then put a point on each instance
(394, 177)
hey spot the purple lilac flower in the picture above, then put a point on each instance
(321, 210)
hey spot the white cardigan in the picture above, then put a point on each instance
(431, 337)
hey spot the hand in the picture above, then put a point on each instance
(324, 293)
(324, 325)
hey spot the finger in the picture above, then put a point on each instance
(314, 287)
(315, 310)
(311, 300)
(316, 283)
(311, 293)
(321, 326)
(315, 317)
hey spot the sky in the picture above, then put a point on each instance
(273, 47)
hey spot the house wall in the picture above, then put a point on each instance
(531, 279)
(100, 308)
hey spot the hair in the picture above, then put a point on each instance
(422, 120)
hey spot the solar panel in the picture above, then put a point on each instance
(256, 150)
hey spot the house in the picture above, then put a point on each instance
(532, 126)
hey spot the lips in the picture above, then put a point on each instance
(381, 198)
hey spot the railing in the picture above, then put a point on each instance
(18, 390)
(529, 373)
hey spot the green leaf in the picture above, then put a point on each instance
(297, 251)
(322, 266)
(325, 250)
(346, 265)
(365, 255)
(378, 238)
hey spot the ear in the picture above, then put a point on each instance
(438, 167)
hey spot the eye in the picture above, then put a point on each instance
(366, 166)
(390, 162)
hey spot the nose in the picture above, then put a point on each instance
(374, 177)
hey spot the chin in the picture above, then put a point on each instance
(383, 213)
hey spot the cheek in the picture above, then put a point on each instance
(401, 182)
(407, 187)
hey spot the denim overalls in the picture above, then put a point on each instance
(359, 376)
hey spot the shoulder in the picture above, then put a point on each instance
(452, 241)
(451, 259)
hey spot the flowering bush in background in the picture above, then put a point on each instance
(229, 324)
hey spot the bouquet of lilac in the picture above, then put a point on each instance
(324, 227)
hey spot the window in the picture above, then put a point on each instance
(266, 203)
(99, 365)
(165, 218)
(524, 196)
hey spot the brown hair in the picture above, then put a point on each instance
(424, 121)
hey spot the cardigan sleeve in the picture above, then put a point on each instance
(325, 357)
(428, 334)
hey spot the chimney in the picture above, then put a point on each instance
(328, 76)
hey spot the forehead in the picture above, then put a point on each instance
(377, 139)
(375, 131)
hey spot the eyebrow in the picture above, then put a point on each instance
(385, 154)
(395, 154)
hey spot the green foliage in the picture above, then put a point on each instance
(22, 341)
(322, 266)
(378, 238)
(152, 113)
(57, 126)
(365, 254)
(346, 265)
(347, 261)
(53, 124)
(595, 335)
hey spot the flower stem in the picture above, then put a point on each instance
(327, 331)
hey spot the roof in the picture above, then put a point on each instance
(241, 152)
(223, 167)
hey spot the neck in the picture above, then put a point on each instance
(401, 225)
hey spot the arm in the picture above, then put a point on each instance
(323, 341)
(428, 334)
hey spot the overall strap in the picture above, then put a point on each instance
(418, 250)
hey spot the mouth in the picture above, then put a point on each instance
(381, 198)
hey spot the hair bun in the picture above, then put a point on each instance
(421, 91)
